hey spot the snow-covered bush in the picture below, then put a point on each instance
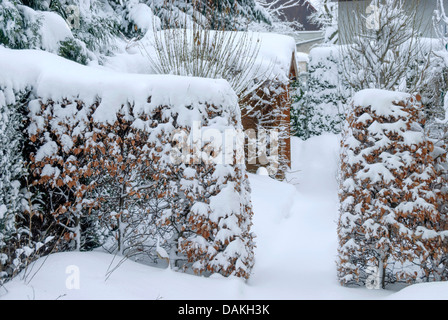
(89, 31)
(137, 18)
(16, 29)
(391, 225)
(210, 54)
(298, 118)
(11, 161)
(433, 71)
(134, 190)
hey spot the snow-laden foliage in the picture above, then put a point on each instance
(11, 162)
(137, 18)
(214, 14)
(11, 171)
(392, 225)
(77, 30)
(22, 239)
(437, 84)
(101, 153)
(16, 29)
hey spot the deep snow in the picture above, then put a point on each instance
(295, 225)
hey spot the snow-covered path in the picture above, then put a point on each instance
(297, 241)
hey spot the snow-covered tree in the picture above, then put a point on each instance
(11, 172)
(326, 16)
(217, 15)
(390, 226)
(275, 21)
(94, 24)
(440, 21)
(299, 120)
(18, 30)
(322, 107)
(43, 25)
(436, 86)
(378, 48)
(136, 17)
(22, 239)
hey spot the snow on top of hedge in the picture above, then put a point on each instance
(381, 101)
(323, 52)
(55, 78)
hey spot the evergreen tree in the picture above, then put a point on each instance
(11, 172)
(83, 31)
(321, 108)
(299, 120)
(136, 17)
(94, 24)
(18, 31)
(21, 238)
(76, 30)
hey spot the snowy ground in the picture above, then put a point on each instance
(295, 225)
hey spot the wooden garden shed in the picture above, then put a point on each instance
(270, 105)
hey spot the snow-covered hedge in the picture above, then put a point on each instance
(101, 150)
(321, 109)
(392, 225)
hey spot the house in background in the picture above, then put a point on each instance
(309, 33)
(299, 13)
